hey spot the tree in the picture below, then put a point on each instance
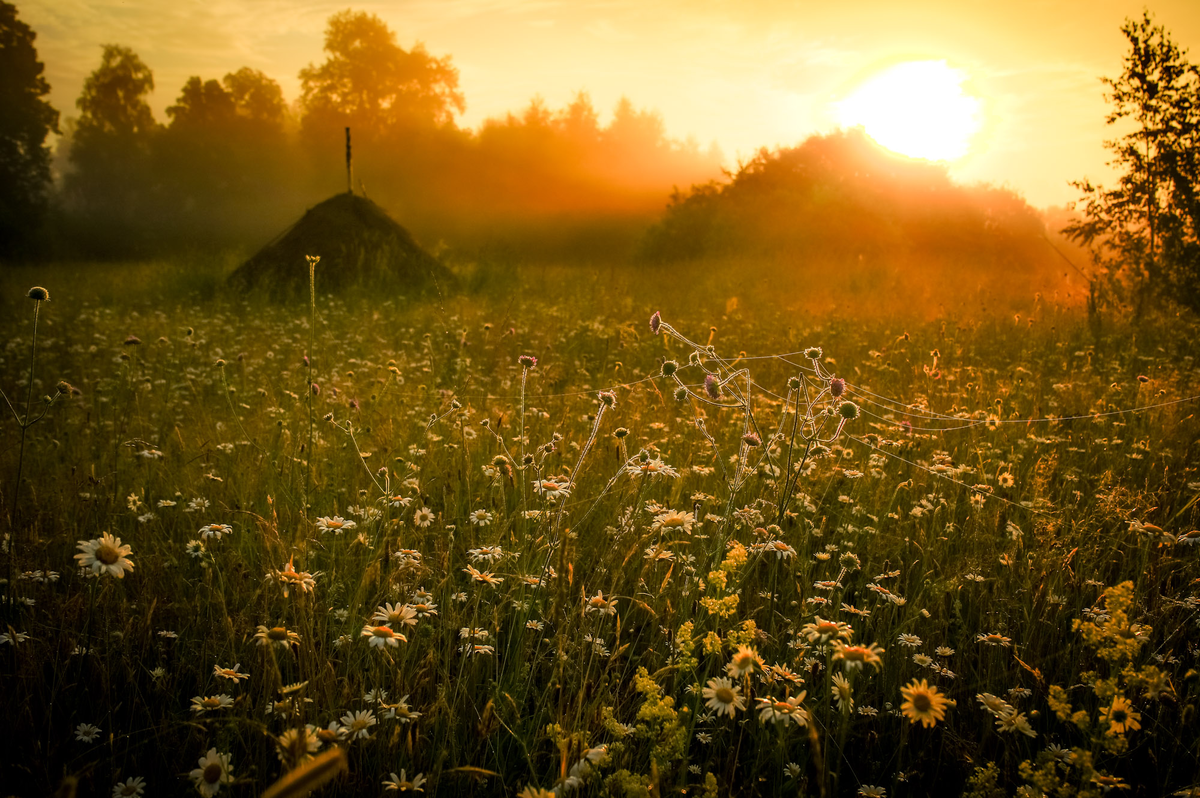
(202, 105)
(257, 98)
(113, 101)
(1143, 231)
(223, 156)
(110, 181)
(371, 84)
(26, 119)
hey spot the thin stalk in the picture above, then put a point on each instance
(312, 332)
(25, 424)
(37, 305)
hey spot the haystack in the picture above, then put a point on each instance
(359, 245)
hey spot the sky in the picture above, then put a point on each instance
(744, 74)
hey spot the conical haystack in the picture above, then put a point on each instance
(359, 245)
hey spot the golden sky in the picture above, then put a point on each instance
(744, 74)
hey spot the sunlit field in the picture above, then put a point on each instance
(591, 533)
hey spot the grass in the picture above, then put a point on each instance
(1014, 491)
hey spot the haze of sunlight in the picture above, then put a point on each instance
(917, 108)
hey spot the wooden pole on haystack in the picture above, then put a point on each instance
(349, 166)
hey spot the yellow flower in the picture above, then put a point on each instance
(923, 702)
(1121, 716)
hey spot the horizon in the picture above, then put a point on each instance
(766, 75)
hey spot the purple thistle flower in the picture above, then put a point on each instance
(527, 361)
(837, 387)
(750, 439)
(712, 386)
(655, 323)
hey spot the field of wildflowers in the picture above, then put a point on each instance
(574, 540)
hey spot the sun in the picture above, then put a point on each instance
(917, 108)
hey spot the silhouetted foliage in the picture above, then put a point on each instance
(843, 197)
(370, 83)
(108, 186)
(227, 169)
(26, 119)
(224, 157)
(1143, 232)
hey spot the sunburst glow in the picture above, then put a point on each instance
(917, 108)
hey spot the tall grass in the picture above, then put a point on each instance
(983, 506)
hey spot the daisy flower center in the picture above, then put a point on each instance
(212, 773)
(278, 633)
(107, 553)
(724, 695)
(921, 702)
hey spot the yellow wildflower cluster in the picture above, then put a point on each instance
(1116, 639)
(726, 606)
(721, 607)
(685, 658)
(746, 635)
(658, 722)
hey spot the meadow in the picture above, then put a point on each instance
(592, 532)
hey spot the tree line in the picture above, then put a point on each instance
(234, 161)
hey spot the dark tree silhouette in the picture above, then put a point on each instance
(257, 98)
(109, 185)
(370, 83)
(26, 119)
(842, 199)
(1143, 231)
(223, 157)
